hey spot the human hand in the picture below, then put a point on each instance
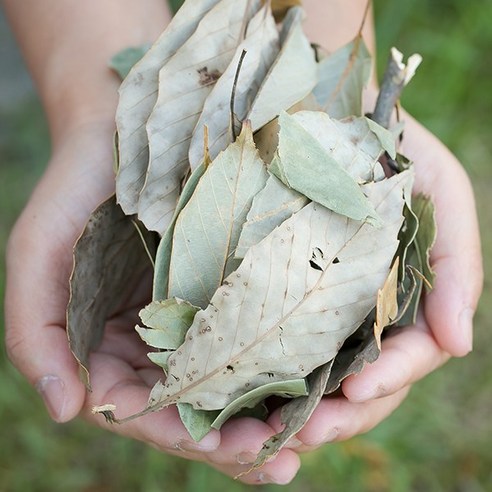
(444, 325)
(39, 262)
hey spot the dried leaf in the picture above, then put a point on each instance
(295, 414)
(184, 83)
(261, 47)
(107, 257)
(138, 95)
(358, 349)
(197, 422)
(274, 204)
(263, 308)
(423, 208)
(123, 61)
(287, 389)
(355, 143)
(341, 78)
(207, 230)
(167, 323)
(387, 303)
(305, 166)
(418, 253)
(163, 255)
(291, 77)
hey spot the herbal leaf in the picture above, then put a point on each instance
(167, 323)
(263, 308)
(184, 83)
(271, 206)
(387, 303)
(286, 389)
(107, 257)
(341, 78)
(138, 95)
(355, 143)
(291, 77)
(163, 255)
(423, 208)
(295, 414)
(207, 230)
(197, 422)
(261, 48)
(305, 166)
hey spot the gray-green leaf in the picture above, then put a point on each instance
(261, 47)
(184, 83)
(342, 76)
(138, 95)
(278, 303)
(271, 206)
(304, 165)
(207, 230)
(167, 323)
(291, 77)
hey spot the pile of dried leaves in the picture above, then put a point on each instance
(288, 237)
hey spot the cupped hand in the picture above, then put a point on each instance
(444, 325)
(39, 261)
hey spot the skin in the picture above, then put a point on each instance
(79, 95)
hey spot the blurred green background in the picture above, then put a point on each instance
(440, 439)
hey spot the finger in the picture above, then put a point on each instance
(407, 356)
(116, 382)
(456, 256)
(337, 419)
(36, 340)
(281, 470)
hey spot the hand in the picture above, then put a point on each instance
(444, 326)
(39, 262)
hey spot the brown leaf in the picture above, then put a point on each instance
(107, 256)
(387, 303)
(280, 7)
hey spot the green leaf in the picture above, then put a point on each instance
(108, 257)
(138, 95)
(341, 79)
(305, 166)
(355, 143)
(123, 61)
(207, 230)
(163, 255)
(286, 389)
(197, 422)
(167, 322)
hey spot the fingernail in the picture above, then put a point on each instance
(265, 478)
(52, 389)
(246, 458)
(466, 325)
(293, 443)
(208, 443)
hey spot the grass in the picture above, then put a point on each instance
(438, 440)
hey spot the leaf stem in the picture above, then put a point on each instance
(396, 77)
